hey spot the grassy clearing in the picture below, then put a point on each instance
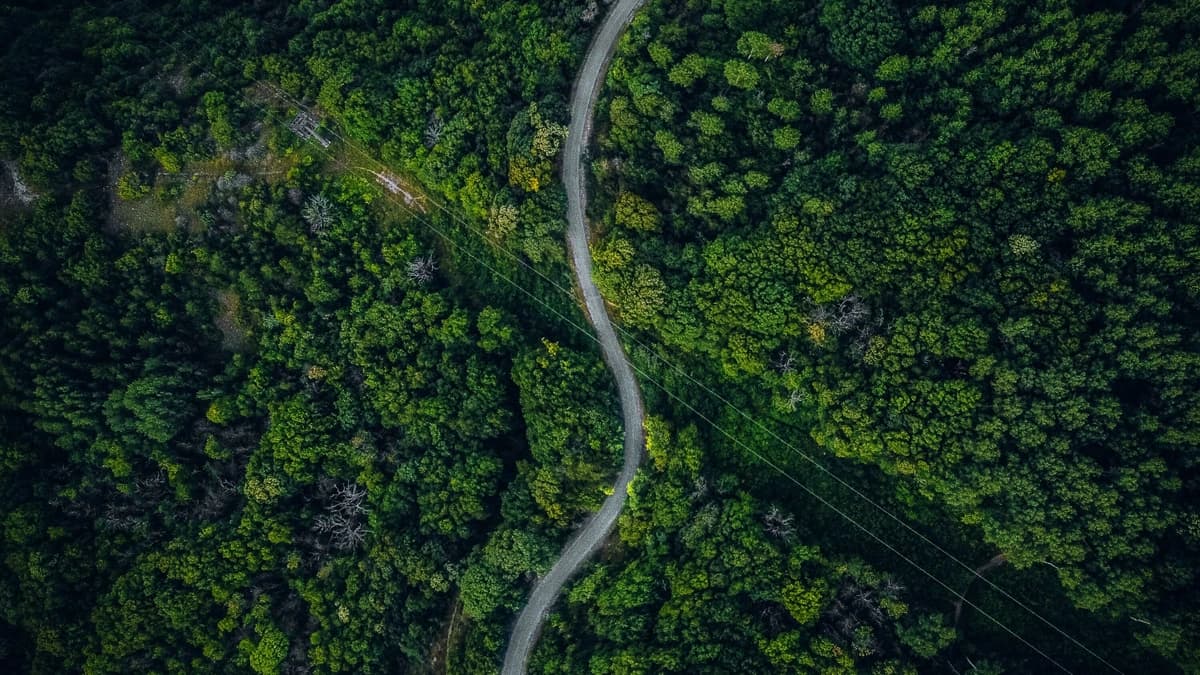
(173, 199)
(230, 320)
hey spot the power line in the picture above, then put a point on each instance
(449, 240)
(646, 376)
(352, 145)
(625, 333)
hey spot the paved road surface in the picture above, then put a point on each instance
(589, 538)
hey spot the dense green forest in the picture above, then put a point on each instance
(956, 241)
(258, 414)
(716, 580)
(254, 415)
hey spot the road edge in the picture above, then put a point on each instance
(589, 538)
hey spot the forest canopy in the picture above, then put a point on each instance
(958, 241)
(288, 382)
(253, 415)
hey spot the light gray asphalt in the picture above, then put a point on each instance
(588, 539)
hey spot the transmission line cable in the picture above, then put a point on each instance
(354, 146)
(656, 353)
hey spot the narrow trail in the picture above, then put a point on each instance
(997, 561)
(588, 539)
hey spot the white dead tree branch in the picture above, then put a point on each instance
(795, 398)
(421, 269)
(342, 520)
(318, 212)
(849, 313)
(433, 130)
(779, 524)
(348, 499)
(344, 533)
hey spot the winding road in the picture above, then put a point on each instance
(589, 538)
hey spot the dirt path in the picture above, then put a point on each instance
(997, 561)
(588, 539)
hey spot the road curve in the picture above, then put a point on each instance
(585, 542)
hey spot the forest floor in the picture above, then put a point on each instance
(446, 645)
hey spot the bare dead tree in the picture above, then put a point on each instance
(796, 397)
(841, 317)
(433, 130)
(849, 316)
(79, 508)
(421, 269)
(784, 363)
(845, 625)
(222, 491)
(350, 536)
(227, 486)
(325, 523)
(862, 598)
(121, 518)
(867, 606)
(212, 504)
(890, 588)
(699, 489)
(316, 558)
(341, 523)
(821, 314)
(779, 524)
(589, 13)
(850, 312)
(862, 342)
(348, 499)
(152, 487)
(852, 617)
(319, 214)
(862, 337)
